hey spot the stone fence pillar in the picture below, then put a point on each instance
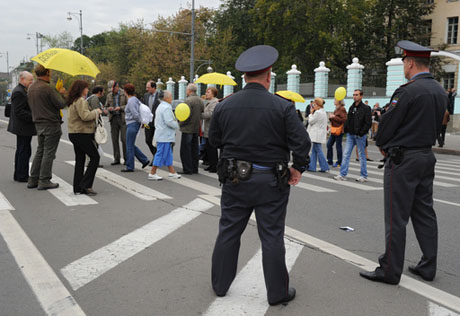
(293, 79)
(170, 85)
(395, 75)
(228, 89)
(321, 80)
(354, 77)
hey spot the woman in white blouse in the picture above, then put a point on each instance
(317, 130)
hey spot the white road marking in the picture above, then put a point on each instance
(351, 184)
(423, 289)
(436, 310)
(64, 193)
(5, 205)
(50, 292)
(447, 202)
(138, 190)
(247, 295)
(380, 173)
(95, 264)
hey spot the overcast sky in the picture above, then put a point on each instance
(49, 17)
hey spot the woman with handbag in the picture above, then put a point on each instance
(317, 130)
(81, 124)
(338, 120)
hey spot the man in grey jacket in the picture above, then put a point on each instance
(190, 129)
(45, 103)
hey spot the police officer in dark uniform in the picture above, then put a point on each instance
(407, 131)
(256, 132)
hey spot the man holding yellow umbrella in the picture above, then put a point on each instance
(45, 104)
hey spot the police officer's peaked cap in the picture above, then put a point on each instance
(412, 49)
(256, 59)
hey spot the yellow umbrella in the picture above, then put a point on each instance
(293, 96)
(216, 78)
(67, 61)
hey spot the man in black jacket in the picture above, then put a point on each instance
(152, 101)
(359, 121)
(22, 126)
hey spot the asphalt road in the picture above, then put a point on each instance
(144, 248)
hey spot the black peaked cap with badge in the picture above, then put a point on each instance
(256, 59)
(412, 49)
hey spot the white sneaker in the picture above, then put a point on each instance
(154, 177)
(361, 179)
(339, 178)
(174, 175)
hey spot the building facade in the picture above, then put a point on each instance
(443, 23)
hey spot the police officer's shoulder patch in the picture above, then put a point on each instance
(394, 102)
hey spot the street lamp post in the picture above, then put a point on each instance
(209, 69)
(80, 20)
(7, 67)
(38, 37)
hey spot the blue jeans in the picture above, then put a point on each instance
(131, 148)
(338, 145)
(360, 142)
(317, 154)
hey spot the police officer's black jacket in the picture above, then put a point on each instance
(415, 114)
(21, 116)
(359, 119)
(257, 126)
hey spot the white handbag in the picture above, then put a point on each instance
(100, 135)
(146, 114)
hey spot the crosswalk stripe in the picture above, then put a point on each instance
(247, 295)
(138, 190)
(64, 193)
(447, 202)
(343, 183)
(369, 179)
(95, 264)
(380, 173)
(300, 185)
(5, 205)
(52, 295)
(436, 310)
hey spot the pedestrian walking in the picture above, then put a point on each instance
(317, 130)
(442, 133)
(338, 119)
(407, 131)
(357, 125)
(165, 136)
(115, 103)
(133, 123)
(22, 126)
(257, 131)
(46, 104)
(82, 125)
(190, 129)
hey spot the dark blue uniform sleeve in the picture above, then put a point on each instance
(393, 117)
(297, 139)
(21, 107)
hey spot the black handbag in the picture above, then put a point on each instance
(8, 109)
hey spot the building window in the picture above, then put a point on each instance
(426, 40)
(452, 30)
(448, 80)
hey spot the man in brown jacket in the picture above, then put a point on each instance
(115, 104)
(45, 104)
(190, 129)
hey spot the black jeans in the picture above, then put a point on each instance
(189, 152)
(22, 156)
(83, 144)
(442, 135)
(149, 132)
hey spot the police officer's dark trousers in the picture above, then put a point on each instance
(408, 191)
(261, 194)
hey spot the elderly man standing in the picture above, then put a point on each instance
(115, 104)
(45, 104)
(190, 129)
(151, 99)
(22, 126)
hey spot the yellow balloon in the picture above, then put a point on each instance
(340, 93)
(182, 111)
